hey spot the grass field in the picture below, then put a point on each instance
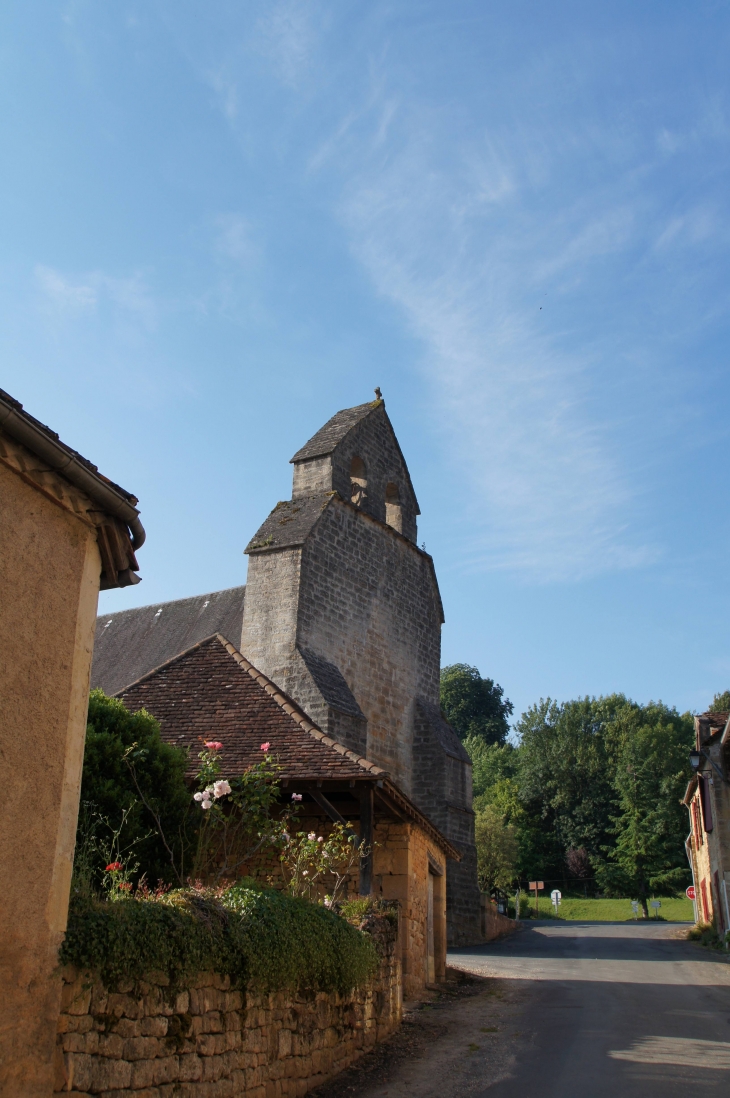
(673, 910)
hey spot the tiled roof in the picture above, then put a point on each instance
(131, 643)
(290, 522)
(41, 429)
(334, 430)
(717, 721)
(212, 692)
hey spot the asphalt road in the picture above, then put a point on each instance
(606, 1010)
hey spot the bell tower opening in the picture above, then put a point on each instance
(393, 509)
(358, 481)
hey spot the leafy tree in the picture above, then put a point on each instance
(497, 849)
(565, 777)
(720, 703)
(134, 783)
(491, 762)
(652, 768)
(474, 706)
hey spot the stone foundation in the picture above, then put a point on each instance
(209, 1040)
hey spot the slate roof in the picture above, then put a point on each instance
(333, 432)
(290, 522)
(212, 691)
(131, 643)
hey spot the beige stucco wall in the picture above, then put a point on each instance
(49, 583)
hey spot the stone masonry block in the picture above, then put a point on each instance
(76, 997)
(109, 1074)
(140, 1048)
(153, 1027)
(111, 1046)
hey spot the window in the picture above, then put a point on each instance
(393, 513)
(358, 481)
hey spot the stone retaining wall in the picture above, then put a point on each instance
(495, 925)
(209, 1040)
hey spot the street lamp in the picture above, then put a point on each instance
(694, 758)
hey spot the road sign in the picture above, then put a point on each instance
(691, 893)
(655, 903)
(556, 895)
(537, 884)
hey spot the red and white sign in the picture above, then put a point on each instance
(691, 893)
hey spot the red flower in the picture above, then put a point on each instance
(213, 745)
(113, 867)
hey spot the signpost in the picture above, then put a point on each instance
(538, 886)
(691, 893)
(556, 896)
(656, 904)
(635, 908)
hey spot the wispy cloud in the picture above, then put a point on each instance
(234, 238)
(72, 296)
(287, 35)
(437, 225)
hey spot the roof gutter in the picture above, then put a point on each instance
(24, 429)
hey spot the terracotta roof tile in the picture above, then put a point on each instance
(212, 692)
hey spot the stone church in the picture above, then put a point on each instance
(342, 611)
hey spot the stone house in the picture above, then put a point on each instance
(342, 612)
(708, 801)
(212, 691)
(66, 532)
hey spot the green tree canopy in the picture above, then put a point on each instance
(474, 706)
(128, 768)
(720, 703)
(646, 857)
(497, 849)
(566, 774)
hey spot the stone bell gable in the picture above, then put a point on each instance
(343, 611)
(357, 455)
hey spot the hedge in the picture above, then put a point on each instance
(264, 940)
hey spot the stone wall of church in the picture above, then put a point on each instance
(270, 613)
(369, 604)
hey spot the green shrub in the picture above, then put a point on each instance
(706, 934)
(262, 939)
(128, 769)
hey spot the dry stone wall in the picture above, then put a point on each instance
(210, 1040)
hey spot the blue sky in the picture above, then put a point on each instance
(222, 222)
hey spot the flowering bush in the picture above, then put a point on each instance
(242, 814)
(317, 867)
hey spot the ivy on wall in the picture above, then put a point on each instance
(265, 940)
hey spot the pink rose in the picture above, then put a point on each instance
(265, 746)
(213, 745)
